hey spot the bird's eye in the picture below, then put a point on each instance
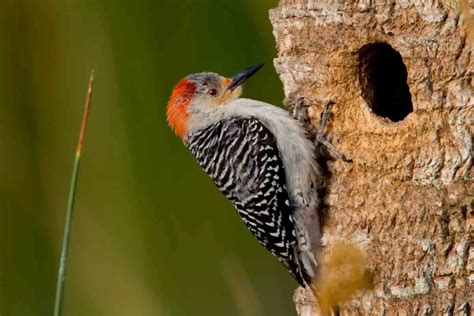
(213, 92)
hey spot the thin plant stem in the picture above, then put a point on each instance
(58, 302)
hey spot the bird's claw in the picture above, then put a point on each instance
(299, 111)
(297, 108)
(321, 139)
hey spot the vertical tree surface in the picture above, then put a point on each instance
(400, 74)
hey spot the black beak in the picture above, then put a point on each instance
(240, 78)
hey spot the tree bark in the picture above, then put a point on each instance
(404, 114)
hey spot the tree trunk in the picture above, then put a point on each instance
(400, 74)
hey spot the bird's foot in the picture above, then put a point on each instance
(330, 148)
(298, 109)
(321, 139)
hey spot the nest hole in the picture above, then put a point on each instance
(383, 80)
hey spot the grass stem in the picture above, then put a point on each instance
(58, 302)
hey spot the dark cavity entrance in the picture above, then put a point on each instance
(383, 80)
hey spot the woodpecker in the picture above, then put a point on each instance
(260, 158)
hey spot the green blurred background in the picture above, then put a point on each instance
(152, 235)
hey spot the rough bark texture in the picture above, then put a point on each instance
(408, 198)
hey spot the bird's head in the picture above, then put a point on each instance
(203, 92)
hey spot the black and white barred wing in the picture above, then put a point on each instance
(242, 158)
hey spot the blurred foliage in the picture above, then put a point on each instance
(152, 235)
